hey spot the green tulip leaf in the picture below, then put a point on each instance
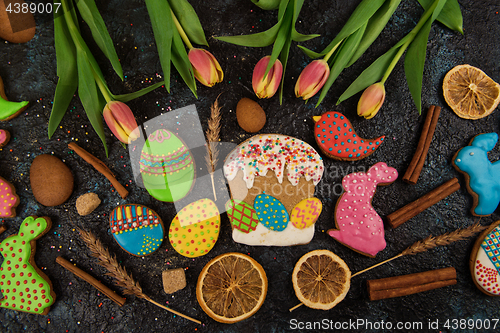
(298, 37)
(415, 58)
(414, 64)
(189, 21)
(309, 53)
(284, 60)
(342, 57)
(259, 39)
(376, 24)
(182, 64)
(362, 13)
(163, 30)
(282, 37)
(67, 72)
(371, 75)
(128, 97)
(267, 4)
(89, 97)
(90, 14)
(450, 15)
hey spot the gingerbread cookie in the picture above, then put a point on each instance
(358, 224)
(166, 166)
(195, 229)
(485, 261)
(336, 138)
(482, 176)
(23, 286)
(268, 208)
(4, 137)
(136, 228)
(8, 199)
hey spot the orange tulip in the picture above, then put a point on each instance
(266, 87)
(371, 100)
(206, 68)
(312, 79)
(121, 121)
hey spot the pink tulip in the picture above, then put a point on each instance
(371, 100)
(312, 79)
(206, 68)
(121, 121)
(266, 87)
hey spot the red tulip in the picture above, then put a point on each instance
(121, 121)
(206, 68)
(312, 79)
(266, 87)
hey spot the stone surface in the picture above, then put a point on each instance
(29, 73)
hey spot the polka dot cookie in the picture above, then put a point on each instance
(338, 140)
(195, 229)
(271, 212)
(23, 286)
(8, 199)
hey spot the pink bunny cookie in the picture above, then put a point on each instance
(8, 199)
(4, 137)
(23, 286)
(359, 226)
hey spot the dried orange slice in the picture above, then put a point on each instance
(470, 92)
(321, 279)
(231, 287)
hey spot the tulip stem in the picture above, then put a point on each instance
(329, 54)
(102, 88)
(181, 31)
(411, 37)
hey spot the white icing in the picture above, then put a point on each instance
(261, 153)
(263, 236)
(483, 259)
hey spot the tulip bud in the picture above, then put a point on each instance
(206, 68)
(371, 100)
(121, 121)
(312, 79)
(266, 87)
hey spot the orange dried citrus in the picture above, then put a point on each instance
(470, 92)
(321, 279)
(231, 287)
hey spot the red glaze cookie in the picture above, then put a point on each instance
(338, 140)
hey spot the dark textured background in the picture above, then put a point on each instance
(29, 73)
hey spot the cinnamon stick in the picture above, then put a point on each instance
(411, 284)
(2, 228)
(99, 166)
(416, 207)
(90, 279)
(417, 163)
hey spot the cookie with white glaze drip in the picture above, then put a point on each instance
(272, 179)
(337, 139)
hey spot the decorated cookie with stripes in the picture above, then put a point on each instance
(136, 228)
(337, 139)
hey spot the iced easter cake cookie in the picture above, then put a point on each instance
(272, 179)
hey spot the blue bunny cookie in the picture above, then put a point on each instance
(482, 176)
